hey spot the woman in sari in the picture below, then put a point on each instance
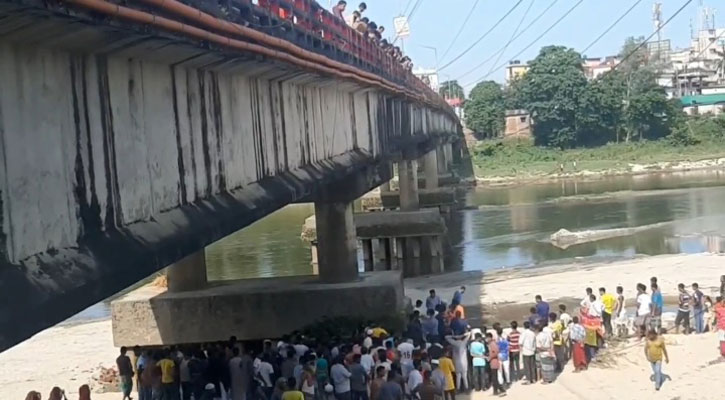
(577, 334)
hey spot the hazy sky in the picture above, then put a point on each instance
(436, 22)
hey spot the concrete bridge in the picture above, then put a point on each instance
(133, 135)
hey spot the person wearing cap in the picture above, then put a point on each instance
(209, 392)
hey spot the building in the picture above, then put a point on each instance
(429, 76)
(596, 67)
(515, 70)
(518, 124)
(704, 104)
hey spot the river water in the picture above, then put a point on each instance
(510, 227)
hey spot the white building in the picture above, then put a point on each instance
(429, 76)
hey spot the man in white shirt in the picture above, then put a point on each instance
(405, 350)
(265, 370)
(643, 309)
(415, 379)
(584, 305)
(528, 351)
(459, 352)
(596, 307)
(367, 361)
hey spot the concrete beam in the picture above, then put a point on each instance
(388, 224)
(447, 179)
(428, 198)
(151, 316)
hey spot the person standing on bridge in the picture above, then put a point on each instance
(339, 9)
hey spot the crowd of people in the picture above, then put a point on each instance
(435, 357)
(374, 32)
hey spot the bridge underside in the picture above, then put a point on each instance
(124, 150)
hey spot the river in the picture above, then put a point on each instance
(505, 227)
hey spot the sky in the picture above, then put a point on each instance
(435, 23)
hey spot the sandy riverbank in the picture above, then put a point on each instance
(69, 356)
(589, 175)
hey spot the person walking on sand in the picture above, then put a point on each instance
(514, 339)
(655, 351)
(620, 315)
(542, 308)
(458, 296)
(477, 351)
(683, 311)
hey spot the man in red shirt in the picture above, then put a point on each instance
(514, 352)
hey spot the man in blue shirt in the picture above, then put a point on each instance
(432, 301)
(542, 308)
(477, 350)
(430, 327)
(458, 295)
(657, 305)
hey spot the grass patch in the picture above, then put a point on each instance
(523, 159)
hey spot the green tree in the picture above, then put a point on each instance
(550, 91)
(485, 112)
(599, 116)
(451, 90)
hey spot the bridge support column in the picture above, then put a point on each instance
(336, 242)
(408, 175)
(448, 150)
(441, 158)
(431, 169)
(187, 274)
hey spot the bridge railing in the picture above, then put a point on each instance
(312, 27)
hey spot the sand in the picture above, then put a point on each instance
(69, 356)
(623, 373)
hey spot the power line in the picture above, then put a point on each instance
(405, 10)
(526, 13)
(533, 41)
(482, 36)
(414, 9)
(460, 30)
(636, 3)
(532, 23)
(636, 49)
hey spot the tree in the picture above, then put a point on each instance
(485, 111)
(451, 90)
(599, 116)
(550, 91)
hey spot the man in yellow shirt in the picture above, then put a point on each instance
(445, 364)
(610, 304)
(557, 336)
(655, 351)
(291, 392)
(167, 366)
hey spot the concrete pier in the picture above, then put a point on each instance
(431, 170)
(152, 316)
(408, 181)
(187, 274)
(337, 245)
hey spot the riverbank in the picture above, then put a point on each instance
(69, 356)
(504, 163)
